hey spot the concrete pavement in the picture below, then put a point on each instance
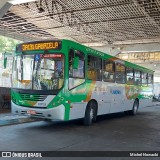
(10, 119)
(114, 132)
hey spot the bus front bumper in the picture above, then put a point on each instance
(57, 113)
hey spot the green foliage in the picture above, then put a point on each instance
(7, 44)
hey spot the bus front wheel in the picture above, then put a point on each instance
(90, 113)
(135, 108)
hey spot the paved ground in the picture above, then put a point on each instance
(116, 132)
(10, 119)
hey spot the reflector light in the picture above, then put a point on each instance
(20, 1)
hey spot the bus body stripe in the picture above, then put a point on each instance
(90, 91)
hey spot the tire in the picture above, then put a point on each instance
(90, 113)
(47, 120)
(126, 112)
(135, 108)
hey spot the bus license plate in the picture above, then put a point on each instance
(31, 112)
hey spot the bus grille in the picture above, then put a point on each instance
(30, 97)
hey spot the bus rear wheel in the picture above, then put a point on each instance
(135, 108)
(90, 113)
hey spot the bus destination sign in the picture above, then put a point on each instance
(39, 46)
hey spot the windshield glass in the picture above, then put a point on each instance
(38, 72)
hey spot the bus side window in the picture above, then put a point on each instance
(137, 77)
(144, 78)
(76, 72)
(71, 56)
(108, 71)
(76, 75)
(94, 71)
(129, 75)
(120, 73)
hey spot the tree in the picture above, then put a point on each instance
(8, 44)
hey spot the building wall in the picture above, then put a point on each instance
(5, 98)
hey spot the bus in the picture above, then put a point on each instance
(64, 80)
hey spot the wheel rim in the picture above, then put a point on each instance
(91, 114)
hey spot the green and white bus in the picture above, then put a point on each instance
(64, 80)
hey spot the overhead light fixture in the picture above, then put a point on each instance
(94, 44)
(20, 1)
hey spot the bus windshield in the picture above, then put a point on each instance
(38, 71)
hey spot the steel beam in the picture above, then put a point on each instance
(4, 7)
(115, 49)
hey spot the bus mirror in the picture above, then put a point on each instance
(75, 62)
(4, 60)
